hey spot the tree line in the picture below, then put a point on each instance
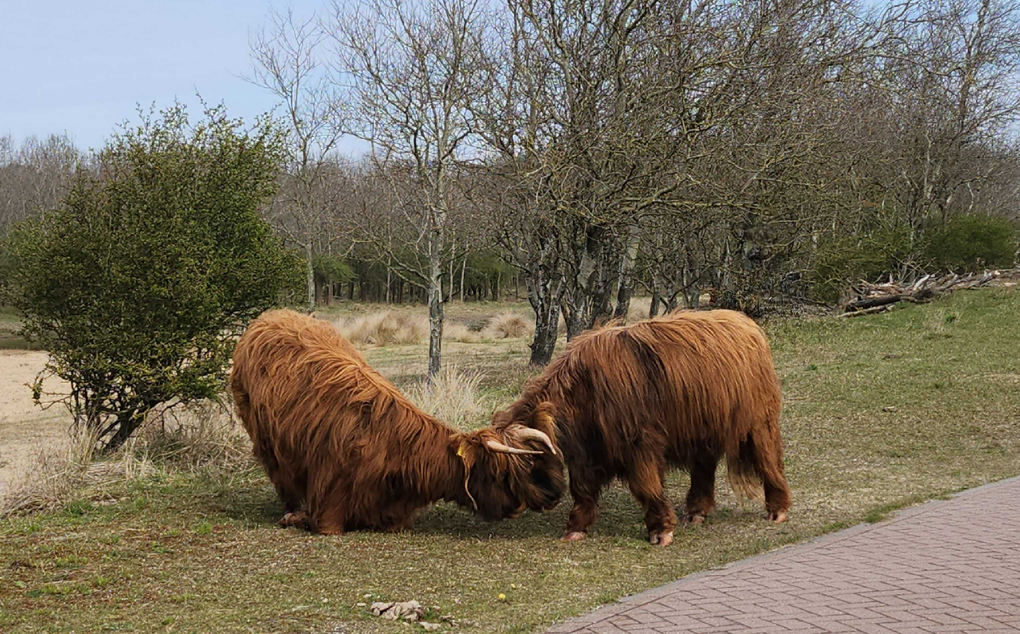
(580, 150)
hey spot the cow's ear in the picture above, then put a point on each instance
(460, 445)
(544, 418)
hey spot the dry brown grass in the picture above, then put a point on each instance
(508, 326)
(460, 333)
(390, 327)
(202, 436)
(452, 396)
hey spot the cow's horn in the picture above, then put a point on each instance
(499, 447)
(536, 434)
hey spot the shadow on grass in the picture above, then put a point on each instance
(250, 499)
(256, 504)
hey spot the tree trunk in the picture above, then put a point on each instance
(547, 323)
(692, 297)
(449, 294)
(435, 299)
(389, 283)
(671, 303)
(128, 422)
(463, 266)
(310, 278)
(545, 303)
(653, 308)
(626, 287)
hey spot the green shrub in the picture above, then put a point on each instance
(973, 242)
(139, 282)
(842, 261)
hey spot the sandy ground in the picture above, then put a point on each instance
(26, 430)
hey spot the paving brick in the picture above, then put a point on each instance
(946, 566)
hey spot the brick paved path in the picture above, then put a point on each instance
(945, 566)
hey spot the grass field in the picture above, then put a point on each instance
(880, 412)
(10, 339)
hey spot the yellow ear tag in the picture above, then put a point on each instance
(460, 451)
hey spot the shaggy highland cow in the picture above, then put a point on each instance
(345, 450)
(681, 390)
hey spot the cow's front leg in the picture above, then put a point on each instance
(585, 489)
(645, 482)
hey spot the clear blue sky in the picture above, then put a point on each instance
(81, 66)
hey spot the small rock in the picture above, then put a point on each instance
(381, 606)
(367, 596)
(889, 408)
(430, 626)
(360, 604)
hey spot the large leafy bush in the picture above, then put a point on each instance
(139, 282)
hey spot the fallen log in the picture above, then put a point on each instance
(873, 302)
(872, 296)
(874, 310)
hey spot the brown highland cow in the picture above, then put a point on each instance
(345, 450)
(681, 390)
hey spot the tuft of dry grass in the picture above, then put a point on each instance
(508, 326)
(203, 435)
(384, 328)
(59, 474)
(451, 396)
(461, 333)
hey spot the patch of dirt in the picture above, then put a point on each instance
(26, 430)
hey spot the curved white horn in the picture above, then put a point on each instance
(499, 447)
(535, 434)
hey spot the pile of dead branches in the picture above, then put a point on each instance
(868, 298)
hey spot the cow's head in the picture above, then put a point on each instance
(512, 467)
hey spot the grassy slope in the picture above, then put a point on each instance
(880, 412)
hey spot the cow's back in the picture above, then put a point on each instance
(670, 384)
(279, 364)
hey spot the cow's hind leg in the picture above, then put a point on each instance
(701, 495)
(328, 508)
(645, 481)
(585, 488)
(764, 449)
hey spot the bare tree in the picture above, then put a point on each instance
(34, 176)
(410, 73)
(286, 58)
(952, 71)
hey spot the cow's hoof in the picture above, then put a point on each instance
(661, 539)
(777, 516)
(330, 531)
(298, 519)
(573, 536)
(694, 518)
